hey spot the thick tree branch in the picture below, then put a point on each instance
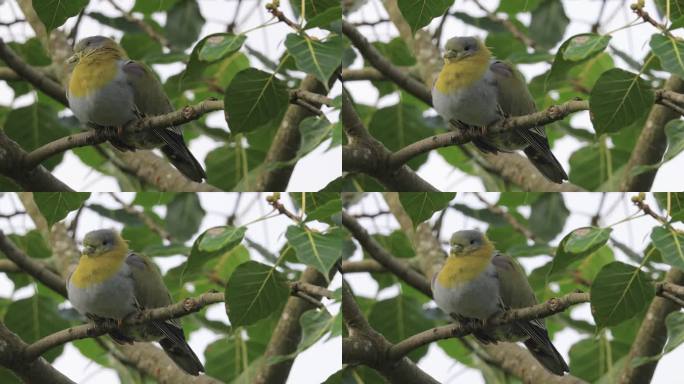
(287, 333)
(652, 334)
(34, 371)
(179, 309)
(374, 57)
(651, 144)
(92, 137)
(366, 265)
(366, 346)
(459, 137)
(364, 154)
(157, 171)
(383, 257)
(32, 267)
(538, 311)
(286, 141)
(33, 76)
(37, 179)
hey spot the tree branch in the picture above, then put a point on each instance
(32, 267)
(651, 336)
(383, 257)
(539, 311)
(376, 59)
(97, 136)
(462, 136)
(34, 371)
(651, 144)
(286, 335)
(37, 179)
(286, 141)
(179, 309)
(33, 76)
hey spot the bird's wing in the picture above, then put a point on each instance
(514, 289)
(150, 290)
(515, 100)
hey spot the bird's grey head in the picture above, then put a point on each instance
(100, 241)
(461, 47)
(91, 44)
(463, 242)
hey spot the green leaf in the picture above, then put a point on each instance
(315, 57)
(590, 358)
(313, 131)
(619, 292)
(33, 126)
(419, 13)
(674, 130)
(590, 166)
(326, 19)
(670, 243)
(618, 99)
(184, 23)
(408, 126)
(548, 216)
(326, 211)
(548, 24)
(313, 8)
(516, 6)
(584, 46)
(315, 324)
(670, 51)
(221, 239)
(398, 318)
(314, 249)
(140, 46)
(151, 199)
(241, 351)
(420, 206)
(579, 244)
(53, 13)
(56, 205)
(33, 244)
(34, 318)
(184, 216)
(147, 7)
(675, 331)
(226, 165)
(220, 45)
(253, 292)
(212, 243)
(254, 98)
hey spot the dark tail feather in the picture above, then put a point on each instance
(186, 163)
(548, 356)
(178, 350)
(547, 164)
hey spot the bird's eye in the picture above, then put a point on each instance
(472, 242)
(467, 48)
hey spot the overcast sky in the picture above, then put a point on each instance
(310, 367)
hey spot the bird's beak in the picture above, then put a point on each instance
(72, 59)
(456, 248)
(450, 54)
(88, 249)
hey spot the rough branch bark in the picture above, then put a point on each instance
(650, 146)
(287, 333)
(38, 179)
(652, 335)
(363, 152)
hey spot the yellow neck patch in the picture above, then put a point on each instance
(457, 74)
(93, 72)
(462, 269)
(96, 269)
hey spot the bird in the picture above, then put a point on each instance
(111, 282)
(474, 90)
(108, 90)
(477, 282)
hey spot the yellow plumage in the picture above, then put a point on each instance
(462, 269)
(96, 269)
(457, 74)
(94, 71)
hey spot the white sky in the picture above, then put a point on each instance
(312, 366)
(582, 13)
(583, 206)
(218, 13)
